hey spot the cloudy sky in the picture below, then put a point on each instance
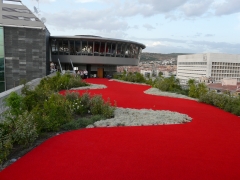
(164, 26)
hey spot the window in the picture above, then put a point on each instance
(78, 48)
(65, 47)
(71, 46)
(84, 48)
(54, 47)
(119, 52)
(96, 48)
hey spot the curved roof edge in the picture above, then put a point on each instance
(92, 37)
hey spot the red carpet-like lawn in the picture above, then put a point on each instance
(206, 148)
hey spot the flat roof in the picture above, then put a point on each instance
(219, 86)
(93, 37)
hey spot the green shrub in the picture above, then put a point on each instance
(99, 106)
(85, 99)
(72, 96)
(207, 98)
(37, 97)
(60, 82)
(220, 100)
(15, 103)
(78, 107)
(81, 122)
(196, 90)
(236, 109)
(5, 143)
(223, 101)
(96, 104)
(108, 110)
(130, 77)
(167, 84)
(25, 132)
(55, 112)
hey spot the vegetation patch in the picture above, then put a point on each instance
(43, 110)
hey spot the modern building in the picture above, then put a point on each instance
(24, 45)
(215, 66)
(27, 49)
(99, 56)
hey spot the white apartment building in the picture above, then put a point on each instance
(214, 65)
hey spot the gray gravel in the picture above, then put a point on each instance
(155, 91)
(142, 117)
(92, 86)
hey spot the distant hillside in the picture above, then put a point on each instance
(145, 56)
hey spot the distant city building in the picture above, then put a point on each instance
(27, 51)
(146, 73)
(227, 86)
(214, 66)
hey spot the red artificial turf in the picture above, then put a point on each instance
(206, 148)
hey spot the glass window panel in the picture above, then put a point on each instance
(108, 49)
(135, 51)
(2, 86)
(90, 48)
(65, 47)
(60, 45)
(54, 47)
(1, 75)
(1, 51)
(78, 47)
(127, 50)
(113, 49)
(84, 48)
(2, 64)
(96, 48)
(71, 45)
(119, 50)
(1, 36)
(102, 48)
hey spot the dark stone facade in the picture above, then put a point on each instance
(26, 54)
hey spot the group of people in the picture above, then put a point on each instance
(83, 74)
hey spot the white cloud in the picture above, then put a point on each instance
(156, 43)
(227, 7)
(86, 19)
(167, 45)
(149, 27)
(162, 7)
(196, 8)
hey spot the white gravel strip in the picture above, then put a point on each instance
(155, 91)
(92, 86)
(142, 117)
(127, 82)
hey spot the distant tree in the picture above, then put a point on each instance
(196, 90)
(168, 84)
(160, 73)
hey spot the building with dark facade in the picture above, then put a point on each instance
(26, 49)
